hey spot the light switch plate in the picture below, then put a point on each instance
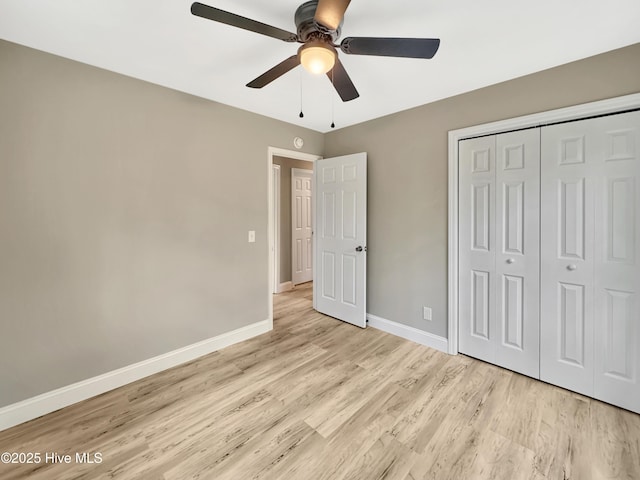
(252, 236)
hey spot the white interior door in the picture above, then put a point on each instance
(569, 171)
(301, 231)
(477, 247)
(518, 251)
(499, 249)
(339, 287)
(617, 261)
(591, 280)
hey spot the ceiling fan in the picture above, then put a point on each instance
(318, 24)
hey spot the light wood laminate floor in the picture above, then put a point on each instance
(320, 399)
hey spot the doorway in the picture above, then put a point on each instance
(281, 164)
(339, 246)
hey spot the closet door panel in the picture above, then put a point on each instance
(517, 251)
(567, 263)
(617, 267)
(477, 247)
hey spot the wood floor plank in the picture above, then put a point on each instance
(521, 411)
(353, 440)
(563, 447)
(496, 457)
(386, 459)
(436, 403)
(319, 399)
(615, 442)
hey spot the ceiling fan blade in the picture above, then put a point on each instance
(391, 47)
(270, 75)
(342, 83)
(331, 12)
(217, 15)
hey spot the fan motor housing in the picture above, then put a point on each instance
(308, 29)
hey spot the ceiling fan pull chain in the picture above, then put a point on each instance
(333, 125)
(301, 114)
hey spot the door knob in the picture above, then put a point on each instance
(358, 248)
(510, 261)
(571, 267)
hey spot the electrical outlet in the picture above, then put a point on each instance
(426, 313)
(252, 236)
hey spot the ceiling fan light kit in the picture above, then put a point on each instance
(317, 57)
(318, 27)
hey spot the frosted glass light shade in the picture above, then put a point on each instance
(317, 57)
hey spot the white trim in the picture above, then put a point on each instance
(452, 289)
(62, 397)
(601, 107)
(407, 332)
(275, 230)
(314, 186)
(284, 287)
(277, 152)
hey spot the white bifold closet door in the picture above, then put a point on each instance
(590, 247)
(499, 249)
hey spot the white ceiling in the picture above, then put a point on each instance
(483, 42)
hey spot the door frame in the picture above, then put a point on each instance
(274, 233)
(277, 152)
(576, 112)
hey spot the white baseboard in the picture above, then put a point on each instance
(409, 333)
(34, 407)
(285, 287)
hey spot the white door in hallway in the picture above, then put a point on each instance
(590, 240)
(339, 287)
(301, 221)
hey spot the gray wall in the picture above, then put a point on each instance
(124, 211)
(286, 164)
(124, 208)
(407, 175)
